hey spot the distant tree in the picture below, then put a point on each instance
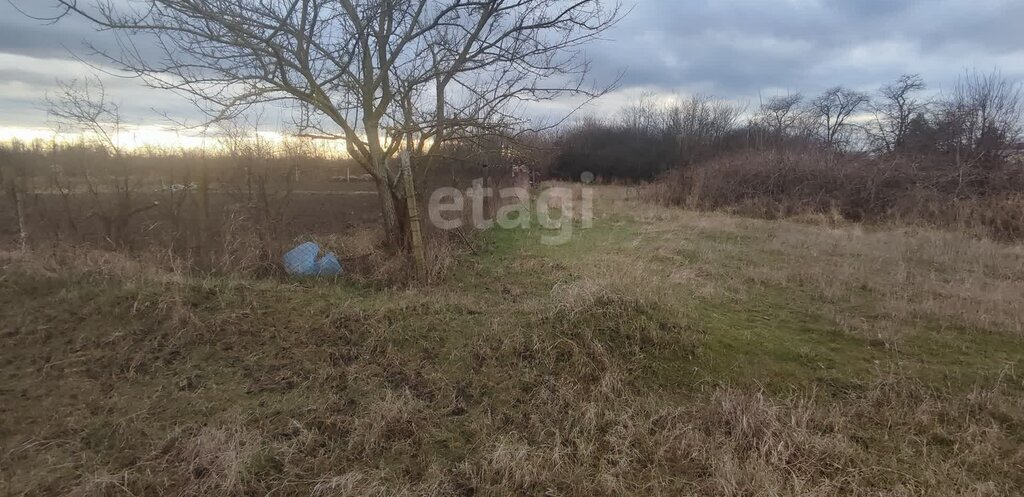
(894, 109)
(981, 117)
(643, 116)
(614, 149)
(700, 124)
(83, 105)
(780, 115)
(921, 137)
(647, 138)
(832, 111)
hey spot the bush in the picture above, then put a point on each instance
(609, 152)
(985, 199)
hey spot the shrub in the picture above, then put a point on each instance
(985, 199)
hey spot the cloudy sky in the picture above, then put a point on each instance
(738, 49)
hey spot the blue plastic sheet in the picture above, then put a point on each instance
(305, 260)
(328, 265)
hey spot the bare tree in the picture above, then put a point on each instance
(976, 123)
(781, 114)
(894, 110)
(700, 123)
(82, 105)
(380, 74)
(981, 117)
(643, 116)
(832, 111)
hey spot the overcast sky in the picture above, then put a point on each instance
(738, 49)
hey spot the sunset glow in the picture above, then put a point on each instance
(138, 138)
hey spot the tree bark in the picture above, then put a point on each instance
(389, 215)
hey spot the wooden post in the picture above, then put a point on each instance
(19, 208)
(488, 199)
(415, 231)
(248, 183)
(9, 185)
(204, 212)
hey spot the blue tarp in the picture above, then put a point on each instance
(305, 260)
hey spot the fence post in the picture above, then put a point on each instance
(204, 213)
(415, 232)
(9, 185)
(488, 194)
(19, 208)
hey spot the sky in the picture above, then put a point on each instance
(742, 50)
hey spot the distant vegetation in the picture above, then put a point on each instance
(951, 161)
(235, 210)
(954, 160)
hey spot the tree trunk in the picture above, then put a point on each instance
(382, 178)
(392, 230)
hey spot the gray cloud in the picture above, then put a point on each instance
(736, 48)
(733, 48)
(24, 36)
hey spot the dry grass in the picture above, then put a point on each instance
(219, 458)
(903, 274)
(663, 352)
(946, 277)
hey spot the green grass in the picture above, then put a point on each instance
(774, 336)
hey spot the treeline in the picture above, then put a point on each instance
(890, 156)
(978, 122)
(648, 138)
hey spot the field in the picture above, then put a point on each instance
(313, 209)
(662, 352)
(253, 210)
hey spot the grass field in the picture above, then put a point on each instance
(662, 352)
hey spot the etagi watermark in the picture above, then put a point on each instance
(556, 209)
